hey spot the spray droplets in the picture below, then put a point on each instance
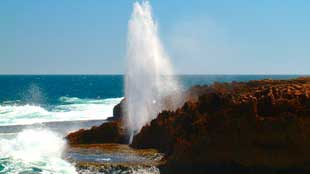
(149, 77)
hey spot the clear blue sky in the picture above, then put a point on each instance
(201, 36)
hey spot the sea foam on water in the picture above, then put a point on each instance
(149, 77)
(34, 151)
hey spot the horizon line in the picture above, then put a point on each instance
(39, 74)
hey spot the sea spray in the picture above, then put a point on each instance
(34, 95)
(149, 77)
(34, 151)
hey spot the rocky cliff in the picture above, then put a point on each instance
(254, 127)
(239, 127)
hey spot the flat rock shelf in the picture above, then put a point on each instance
(113, 158)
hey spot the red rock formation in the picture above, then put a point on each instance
(255, 127)
(109, 132)
(118, 111)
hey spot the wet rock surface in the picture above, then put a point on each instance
(113, 158)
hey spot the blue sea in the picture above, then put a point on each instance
(37, 111)
(28, 99)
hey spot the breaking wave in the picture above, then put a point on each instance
(28, 153)
(69, 109)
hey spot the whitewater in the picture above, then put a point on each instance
(34, 151)
(69, 109)
(39, 148)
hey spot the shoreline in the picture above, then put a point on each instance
(258, 126)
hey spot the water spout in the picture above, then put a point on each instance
(149, 77)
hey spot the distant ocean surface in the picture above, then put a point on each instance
(28, 99)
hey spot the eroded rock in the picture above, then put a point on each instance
(259, 127)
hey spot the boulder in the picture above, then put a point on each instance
(109, 132)
(119, 111)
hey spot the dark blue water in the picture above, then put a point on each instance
(47, 89)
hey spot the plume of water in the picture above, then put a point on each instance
(149, 78)
(34, 95)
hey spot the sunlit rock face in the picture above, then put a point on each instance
(240, 127)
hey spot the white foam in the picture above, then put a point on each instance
(73, 109)
(34, 150)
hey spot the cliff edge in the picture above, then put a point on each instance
(256, 126)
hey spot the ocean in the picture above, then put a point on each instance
(29, 99)
(36, 111)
